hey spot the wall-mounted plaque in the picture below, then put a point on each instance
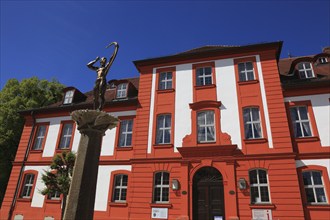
(262, 214)
(159, 213)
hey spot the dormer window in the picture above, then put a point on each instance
(305, 70)
(68, 97)
(323, 60)
(122, 91)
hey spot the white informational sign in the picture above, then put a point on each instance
(159, 213)
(218, 218)
(262, 214)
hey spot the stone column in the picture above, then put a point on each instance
(92, 126)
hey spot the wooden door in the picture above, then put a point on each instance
(208, 198)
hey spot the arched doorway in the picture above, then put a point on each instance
(208, 197)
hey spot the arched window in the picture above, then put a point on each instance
(27, 186)
(161, 187)
(259, 188)
(314, 187)
(120, 188)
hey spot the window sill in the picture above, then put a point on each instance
(35, 151)
(163, 146)
(161, 205)
(118, 204)
(256, 141)
(124, 148)
(61, 150)
(248, 82)
(318, 206)
(165, 90)
(205, 86)
(24, 199)
(53, 201)
(262, 206)
(306, 139)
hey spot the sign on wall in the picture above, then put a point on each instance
(159, 213)
(262, 214)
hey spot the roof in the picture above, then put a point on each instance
(88, 100)
(210, 50)
(289, 75)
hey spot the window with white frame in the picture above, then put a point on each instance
(161, 187)
(66, 136)
(300, 121)
(122, 90)
(68, 97)
(56, 195)
(305, 70)
(314, 187)
(126, 132)
(27, 186)
(165, 81)
(120, 188)
(203, 76)
(323, 60)
(252, 125)
(39, 138)
(163, 135)
(259, 188)
(246, 72)
(205, 126)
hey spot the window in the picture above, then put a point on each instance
(120, 188)
(68, 97)
(126, 131)
(66, 135)
(204, 76)
(323, 60)
(314, 187)
(165, 81)
(39, 138)
(163, 129)
(246, 72)
(161, 187)
(305, 70)
(300, 121)
(252, 126)
(259, 186)
(54, 196)
(27, 186)
(122, 90)
(206, 126)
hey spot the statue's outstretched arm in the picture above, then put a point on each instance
(112, 58)
(91, 66)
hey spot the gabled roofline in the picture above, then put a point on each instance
(208, 52)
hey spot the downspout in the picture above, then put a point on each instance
(11, 210)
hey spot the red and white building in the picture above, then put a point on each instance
(217, 132)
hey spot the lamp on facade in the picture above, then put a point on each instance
(242, 183)
(175, 184)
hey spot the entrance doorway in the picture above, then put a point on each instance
(208, 197)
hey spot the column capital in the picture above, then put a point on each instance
(93, 120)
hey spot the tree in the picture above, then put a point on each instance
(58, 178)
(17, 96)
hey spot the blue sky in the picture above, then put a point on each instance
(56, 39)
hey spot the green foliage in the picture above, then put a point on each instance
(58, 178)
(17, 96)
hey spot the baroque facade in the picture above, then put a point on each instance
(216, 132)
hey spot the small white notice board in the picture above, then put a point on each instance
(262, 214)
(159, 213)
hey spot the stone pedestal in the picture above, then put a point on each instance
(81, 199)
